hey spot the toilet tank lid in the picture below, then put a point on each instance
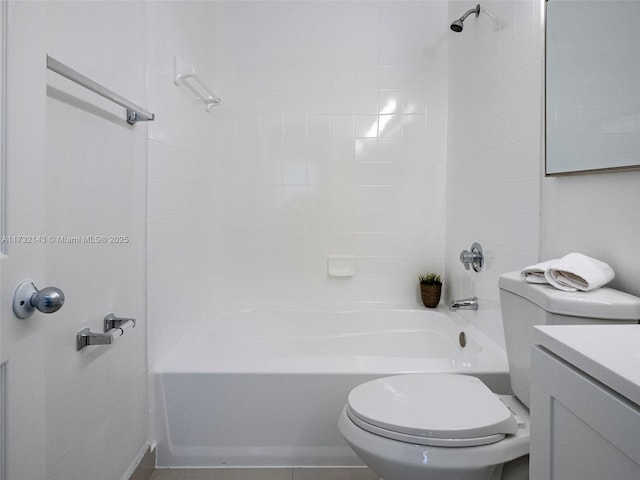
(603, 303)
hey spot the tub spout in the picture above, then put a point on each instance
(470, 303)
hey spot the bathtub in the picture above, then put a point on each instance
(265, 388)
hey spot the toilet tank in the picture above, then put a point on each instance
(525, 305)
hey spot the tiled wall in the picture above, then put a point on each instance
(494, 148)
(180, 153)
(330, 140)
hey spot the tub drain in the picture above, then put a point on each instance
(462, 338)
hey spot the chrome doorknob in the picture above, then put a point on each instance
(28, 298)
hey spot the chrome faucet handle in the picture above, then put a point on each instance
(473, 258)
(466, 257)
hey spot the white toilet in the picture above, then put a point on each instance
(451, 426)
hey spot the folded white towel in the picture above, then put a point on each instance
(578, 272)
(535, 273)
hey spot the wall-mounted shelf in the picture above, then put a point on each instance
(185, 74)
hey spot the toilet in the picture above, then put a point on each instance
(430, 426)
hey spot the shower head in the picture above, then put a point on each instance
(457, 25)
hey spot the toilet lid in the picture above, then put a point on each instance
(431, 409)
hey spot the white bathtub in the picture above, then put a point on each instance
(265, 388)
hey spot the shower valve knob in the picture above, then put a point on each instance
(28, 298)
(473, 258)
(466, 257)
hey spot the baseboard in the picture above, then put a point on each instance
(146, 466)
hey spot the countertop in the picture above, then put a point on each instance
(608, 353)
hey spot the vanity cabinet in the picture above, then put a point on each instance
(580, 427)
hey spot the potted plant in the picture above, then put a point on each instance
(430, 289)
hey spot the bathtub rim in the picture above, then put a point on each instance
(491, 360)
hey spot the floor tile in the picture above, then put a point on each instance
(222, 474)
(333, 474)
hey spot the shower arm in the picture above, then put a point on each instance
(475, 10)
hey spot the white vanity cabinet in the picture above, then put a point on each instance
(585, 403)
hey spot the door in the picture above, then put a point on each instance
(74, 185)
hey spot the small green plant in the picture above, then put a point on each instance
(430, 278)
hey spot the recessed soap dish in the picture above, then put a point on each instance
(341, 265)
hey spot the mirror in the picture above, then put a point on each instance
(592, 86)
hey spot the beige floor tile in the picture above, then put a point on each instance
(333, 474)
(222, 474)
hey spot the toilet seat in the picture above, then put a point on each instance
(448, 410)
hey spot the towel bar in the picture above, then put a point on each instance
(134, 112)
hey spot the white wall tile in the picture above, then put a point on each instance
(494, 155)
(179, 157)
(323, 178)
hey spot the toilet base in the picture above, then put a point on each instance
(393, 471)
(517, 469)
(395, 460)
